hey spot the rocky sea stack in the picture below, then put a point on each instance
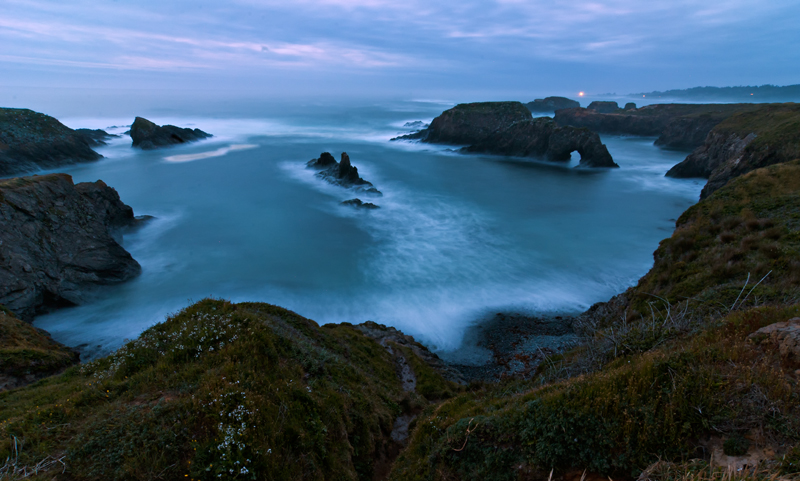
(551, 104)
(31, 141)
(506, 128)
(341, 173)
(147, 136)
(58, 242)
(541, 137)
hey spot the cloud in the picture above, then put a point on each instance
(411, 37)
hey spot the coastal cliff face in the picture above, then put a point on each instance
(147, 136)
(678, 126)
(31, 141)
(467, 124)
(742, 143)
(541, 137)
(57, 243)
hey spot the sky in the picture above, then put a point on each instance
(401, 48)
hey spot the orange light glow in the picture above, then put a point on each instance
(580, 94)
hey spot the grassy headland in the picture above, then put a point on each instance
(657, 378)
(219, 390)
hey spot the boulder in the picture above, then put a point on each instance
(785, 336)
(31, 141)
(360, 204)
(551, 104)
(57, 243)
(147, 136)
(630, 106)
(542, 137)
(341, 173)
(604, 107)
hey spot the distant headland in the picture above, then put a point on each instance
(773, 93)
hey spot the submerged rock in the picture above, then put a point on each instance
(147, 136)
(31, 141)
(57, 242)
(551, 104)
(341, 173)
(417, 124)
(360, 204)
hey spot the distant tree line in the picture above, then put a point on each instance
(748, 93)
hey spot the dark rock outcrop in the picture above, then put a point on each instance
(764, 135)
(467, 124)
(146, 135)
(30, 141)
(341, 173)
(677, 126)
(603, 106)
(358, 203)
(57, 242)
(630, 106)
(551, 104)
(706, 159)
(541, 137)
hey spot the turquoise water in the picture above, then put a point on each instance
(239, 217)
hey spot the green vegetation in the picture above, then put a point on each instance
(219, 390)
(28, 352)
(747, 229)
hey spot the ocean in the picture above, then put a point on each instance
(457, 237)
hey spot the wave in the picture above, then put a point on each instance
(207, 155)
